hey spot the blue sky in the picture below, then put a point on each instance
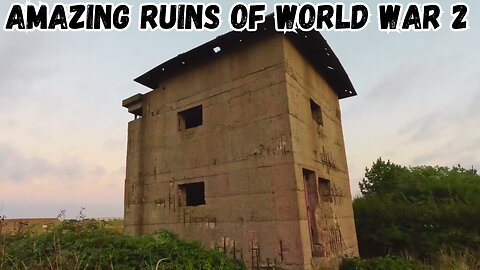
(63, 130)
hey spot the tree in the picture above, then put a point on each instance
(417, 210)
(381, 177)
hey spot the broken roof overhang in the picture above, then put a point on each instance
(134, 104)
(311, 44)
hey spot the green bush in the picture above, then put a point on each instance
(85, 245)
(440, 261)
(381, 263)
(418, 211)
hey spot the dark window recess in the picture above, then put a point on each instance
(192, 194)
(190, 118)
(324, 190)
(316, 112)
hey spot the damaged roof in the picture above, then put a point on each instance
(311, 45)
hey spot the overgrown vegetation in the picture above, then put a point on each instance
(90, 245)
(419, 217)
(428, 214)
(382, 263)
(441, 261)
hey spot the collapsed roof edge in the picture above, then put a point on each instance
(313, 47)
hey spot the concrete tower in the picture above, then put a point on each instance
(239, 146)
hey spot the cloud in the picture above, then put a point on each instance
(474, 108)
(25, 64)
(450, 154)
(445, 137)
(17, 167)
(423, 112)
(425, 127)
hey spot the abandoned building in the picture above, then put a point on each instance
(239, 146)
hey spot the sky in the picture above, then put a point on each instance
(63, 131)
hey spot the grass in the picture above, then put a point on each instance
(464, 260)
(101, 245)
(91, 244)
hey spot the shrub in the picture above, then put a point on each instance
(417, 211)
(86, 245)
(381, 263)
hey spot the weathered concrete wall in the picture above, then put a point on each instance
(134, 182)
(250, 151)
(321, 150)
(242, 152)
